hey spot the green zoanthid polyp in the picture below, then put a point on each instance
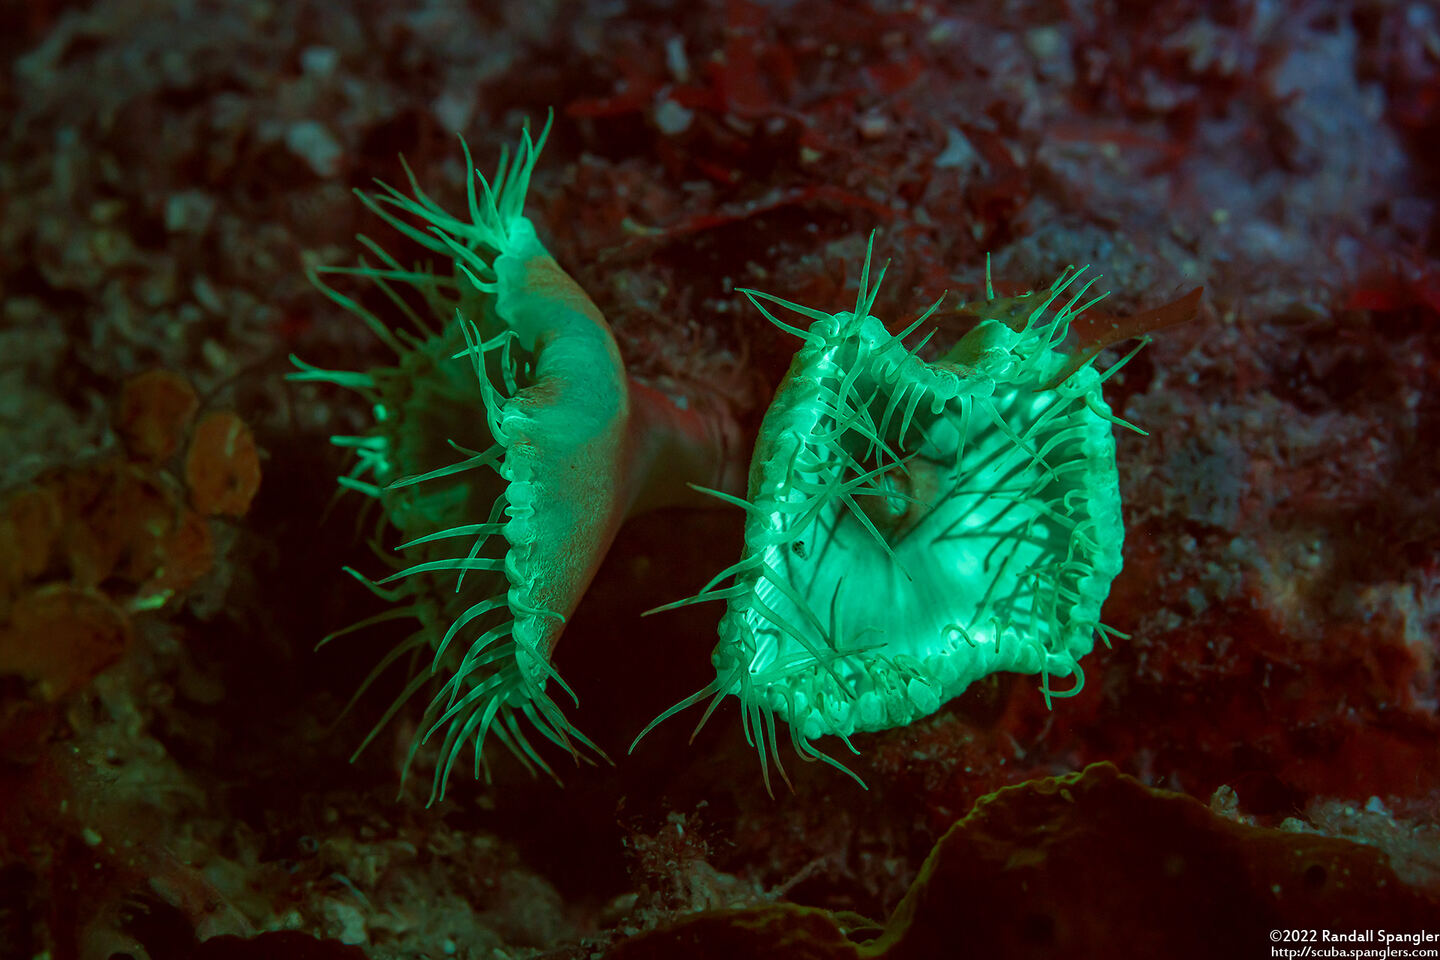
(914, 526)
(508, 446)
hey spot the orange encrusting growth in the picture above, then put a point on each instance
(87, 548)
(60, 636)
(222, 467)
(155, 411)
